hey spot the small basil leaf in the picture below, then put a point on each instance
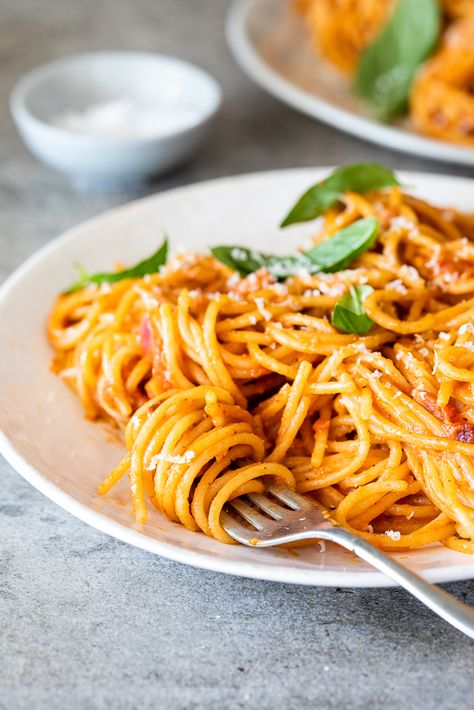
(345, 246)
(359, 177)
(246, 261)
(387, 67)
(148, 266)
(348, 315)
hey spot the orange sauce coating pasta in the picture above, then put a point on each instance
(221, 383)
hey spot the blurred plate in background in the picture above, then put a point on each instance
(270, 43)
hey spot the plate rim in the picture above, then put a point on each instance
(196, 558)
(364, 128)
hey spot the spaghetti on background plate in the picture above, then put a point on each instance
(343, 370)
(402, 57)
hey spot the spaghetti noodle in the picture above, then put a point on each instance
(440, 99)
(458, 8)
(442, 102)
(342, 30)
(221, 382)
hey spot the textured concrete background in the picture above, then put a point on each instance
(87, 622)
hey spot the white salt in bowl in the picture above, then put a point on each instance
(76, 83)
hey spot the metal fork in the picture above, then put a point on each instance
(283, 516)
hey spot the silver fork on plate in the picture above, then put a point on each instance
(283, 516)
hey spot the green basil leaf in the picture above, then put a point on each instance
(360, 177)
(246, 261)
(348, 315)
(148, 266)
(332, 255)
(387, 67)
(345, 246)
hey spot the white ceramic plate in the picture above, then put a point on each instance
(44, 434)
(272, 46)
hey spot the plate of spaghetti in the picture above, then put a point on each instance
(311, 327)
(396, 72)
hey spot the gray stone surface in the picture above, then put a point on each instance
(87, 622)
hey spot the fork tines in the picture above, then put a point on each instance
(264, 512)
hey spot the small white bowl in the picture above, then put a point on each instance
(79, 81)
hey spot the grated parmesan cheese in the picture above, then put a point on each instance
(397, 285)
(435, 259)
(410, 273)
(280, 289)
(393, 534)
(149, 301)
(449, 278)
(69, 372)
(129, 117)
(402, 222)
(302, 273)
(252, 280)
(233, 280)
(186, 458)
(331, 289)
(238, 254)
(260, 303)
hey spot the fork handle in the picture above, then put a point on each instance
(455, 612)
